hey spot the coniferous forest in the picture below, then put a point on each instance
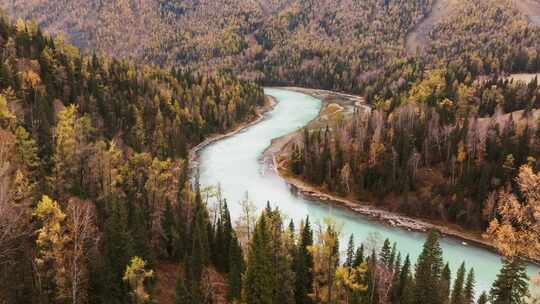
(101, 103)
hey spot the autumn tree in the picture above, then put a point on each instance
(135, 276)
(515, 231)
(325, 254)
(51, 243)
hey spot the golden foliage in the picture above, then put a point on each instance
(516, 231)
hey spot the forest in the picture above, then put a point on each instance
(96, 192)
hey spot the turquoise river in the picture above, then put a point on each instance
(235, 163)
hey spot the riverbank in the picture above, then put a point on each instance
(269, 104)
(280, 148)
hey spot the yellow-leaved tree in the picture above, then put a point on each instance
(516, 230)
(50, 243)
(325, 254)
(135, 275)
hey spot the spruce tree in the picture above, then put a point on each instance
(511, 285)
(457, 290)
(258, 280)
(303, 266)
(483, 299)
(428, 272)
(167, 225)
(180, 235)
(228, 236)
(236, 268)
(406, 283)
(446, 278)
(392, 256)
(349, 261)
(394, 290)
(373, 288)
(468, 293)
(386, 253)
(118, 252)
(359, 256)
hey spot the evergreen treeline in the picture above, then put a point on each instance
(289, 265)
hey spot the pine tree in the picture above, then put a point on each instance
(258, 280)
(373, 288)
(199, 253)
(118, 251)
(405, 290)
(394, 290)
(283, 275)
(428, 272)
(483, 299)
(446, 278)
(457, 291)
(303, 266)
(193, 285)
(511, 286)
(386, 253)
(236, 268)
(392, 256)
(349, 261)
(468, 293)
(180, 235)
(359, 256)
(227, 237)
(167, 225)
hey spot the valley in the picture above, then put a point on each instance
(269, 151)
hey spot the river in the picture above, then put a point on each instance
(235, 163)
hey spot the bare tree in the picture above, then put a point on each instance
(82, 229)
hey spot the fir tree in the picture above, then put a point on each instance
(483, 299)
(303, 265)
(457, 291)
(468, 293)
(428, 272)
(258, 280)
(386, 253)
(359, 256)
(118, 252)
(236, 268)
(349, 261)
(167, 225)
(446, 278)
(394, 291)
(405, 289)
(511, 286)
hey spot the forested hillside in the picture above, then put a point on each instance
(346, 45)
(92, 155)
(338, 45)
(443, 140)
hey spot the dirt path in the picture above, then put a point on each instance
(418, 39)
